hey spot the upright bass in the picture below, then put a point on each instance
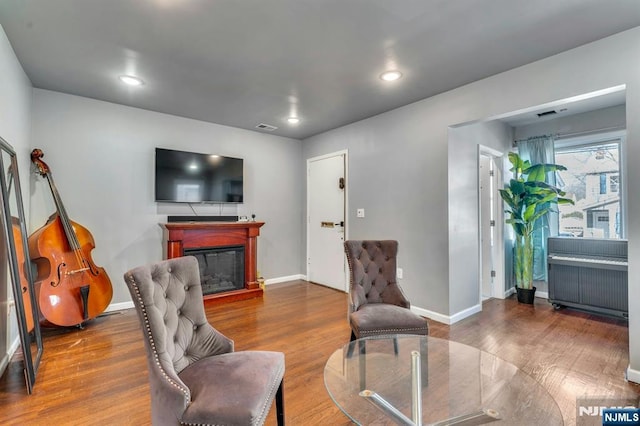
(69, 286)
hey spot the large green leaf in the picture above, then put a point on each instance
(527, 196)
(565, 201)
(518, 164)
(538, 172)
(517, 187)
(515, 160)
(549, 198)
(529, 212)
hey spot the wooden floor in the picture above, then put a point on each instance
(98, 375)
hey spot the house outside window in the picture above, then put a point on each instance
(592, 180)
(614, 182)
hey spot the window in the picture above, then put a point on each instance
(614, 182)
(592, 180)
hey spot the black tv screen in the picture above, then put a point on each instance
(189, 177)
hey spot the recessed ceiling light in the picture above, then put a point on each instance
(293, 120)
(390, 75)
(131, 80)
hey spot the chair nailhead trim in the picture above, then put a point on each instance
(147, 328)
(393, 330)
(274, 387)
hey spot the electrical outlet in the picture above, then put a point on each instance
(360, 213)
(399, 273)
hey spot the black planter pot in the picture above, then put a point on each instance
(526, 295)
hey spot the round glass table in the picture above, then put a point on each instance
(422, 380)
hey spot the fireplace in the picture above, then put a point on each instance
(217, 245)
(221, 268)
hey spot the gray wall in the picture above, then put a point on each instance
(464, 244)
(397, 173)
(400, 169)
(15, 125)
(102, 158)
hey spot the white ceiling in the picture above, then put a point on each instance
(245, 62)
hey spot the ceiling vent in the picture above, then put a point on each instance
(546, 113)
(267, 127)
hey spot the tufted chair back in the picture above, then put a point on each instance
(168, 298)
(372, 266)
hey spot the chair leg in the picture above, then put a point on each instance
(424, 361)
(350, 351)
(280, 404)
(362, 363)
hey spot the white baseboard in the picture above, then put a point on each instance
(431, 315)
(542, 294)
(14, 347)
(4, 362)
(633, 375)
(452, 319)
(284, 279)
(465, 313)
(7, 357)
(119, 306)
(447, 319)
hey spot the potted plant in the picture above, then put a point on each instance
(528, 198)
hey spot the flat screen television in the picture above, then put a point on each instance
(190, 177)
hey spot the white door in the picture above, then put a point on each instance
(326, 220)
(490, 224)
(486, 228)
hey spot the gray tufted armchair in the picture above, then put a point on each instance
(195, 376)
(377, 305)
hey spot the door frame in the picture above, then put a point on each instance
(345, 153)
(498, 286)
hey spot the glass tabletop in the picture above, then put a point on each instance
(371, 380)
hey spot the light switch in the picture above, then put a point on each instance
(360, 213)
(399, 273)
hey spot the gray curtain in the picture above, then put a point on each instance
(540, 150)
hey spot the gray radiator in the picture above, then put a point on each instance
(588, 274)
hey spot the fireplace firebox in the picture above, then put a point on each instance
(221, 268)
